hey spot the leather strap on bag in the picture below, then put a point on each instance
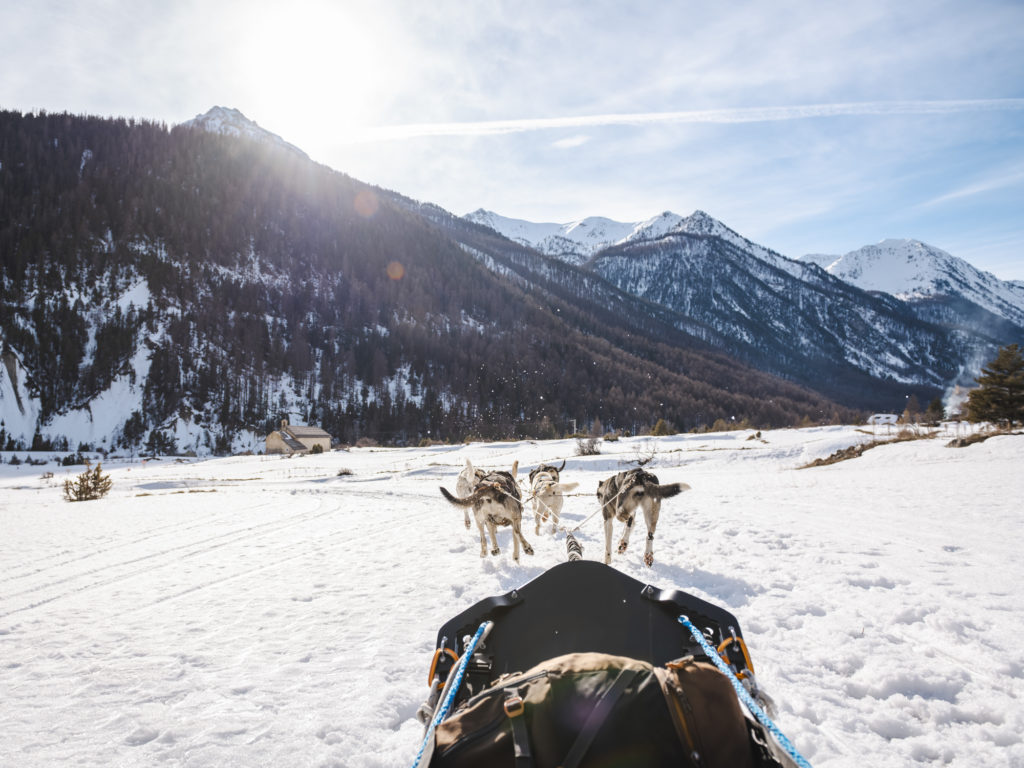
(520, 736)
(672, 693)
(597, 716)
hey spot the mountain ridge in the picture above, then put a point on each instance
(912, 271)
(189, 294)
(228, 121)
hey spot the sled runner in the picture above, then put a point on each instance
(584, 662)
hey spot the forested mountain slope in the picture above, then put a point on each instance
(172, 288)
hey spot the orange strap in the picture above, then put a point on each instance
(746, 655)
(433, 663)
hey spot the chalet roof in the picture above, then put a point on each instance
(291, 442)
(296, 431)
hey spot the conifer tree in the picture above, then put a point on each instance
(91, 484)
(1000, 394)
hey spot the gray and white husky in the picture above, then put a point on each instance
(622, 495)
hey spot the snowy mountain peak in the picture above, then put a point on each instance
(900, 267)
(577, 241)
(231, 122)
(910, 269)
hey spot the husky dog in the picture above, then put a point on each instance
(621, 495)
(496, 500)
(546, 494)
(466, 484)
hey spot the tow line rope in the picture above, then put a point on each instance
(451, 688)
(744, 696)
(600, 507)
(561, 528)
(522, 502)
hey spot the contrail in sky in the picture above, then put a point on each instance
(722, 116)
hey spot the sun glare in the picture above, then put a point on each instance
(316, 67)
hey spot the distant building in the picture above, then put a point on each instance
(289, 439)
(883, 418)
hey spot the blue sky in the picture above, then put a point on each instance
(805, 126)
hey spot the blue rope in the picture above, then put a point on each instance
(745, 697)
(446, 705)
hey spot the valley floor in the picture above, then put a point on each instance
(271, 611)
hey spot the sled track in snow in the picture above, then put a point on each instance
(210, 544)
(305, 552)
(204, 546)
(150, 533)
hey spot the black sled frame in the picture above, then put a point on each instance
(576, 607)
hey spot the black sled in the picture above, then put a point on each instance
(586, 666)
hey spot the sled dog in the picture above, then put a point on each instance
(546, 491)
(466, 483)
(622, 495)
(495, 501)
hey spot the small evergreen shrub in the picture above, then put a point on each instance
(317, 448)
(91, 484)
(73, 459)
(662, 429)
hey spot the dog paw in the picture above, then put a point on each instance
(468, 525)
(648, 560)
(495, 551)
(622, 547)
(528, 549)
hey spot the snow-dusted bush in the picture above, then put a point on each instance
(91, 484)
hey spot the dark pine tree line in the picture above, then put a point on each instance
(263, 275)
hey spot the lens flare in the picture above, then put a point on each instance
(396, 271)
(366, 203)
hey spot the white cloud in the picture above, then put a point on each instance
(719, 116)
(979, 187)
(571, 141)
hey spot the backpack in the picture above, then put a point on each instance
(584, 710)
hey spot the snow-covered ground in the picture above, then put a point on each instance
(267, 611)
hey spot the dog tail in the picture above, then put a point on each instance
(563, 487)
(457, 501)
(670, 490)
(563, 466)
(515, 468)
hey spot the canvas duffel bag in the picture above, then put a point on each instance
(585, 710)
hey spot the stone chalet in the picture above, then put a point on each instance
(883, 418)
(289, 439)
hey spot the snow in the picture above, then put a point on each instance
(576, 241)
(262, 610)
(231, 122)
(137, 295)
(19, 410)
(910, 269)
